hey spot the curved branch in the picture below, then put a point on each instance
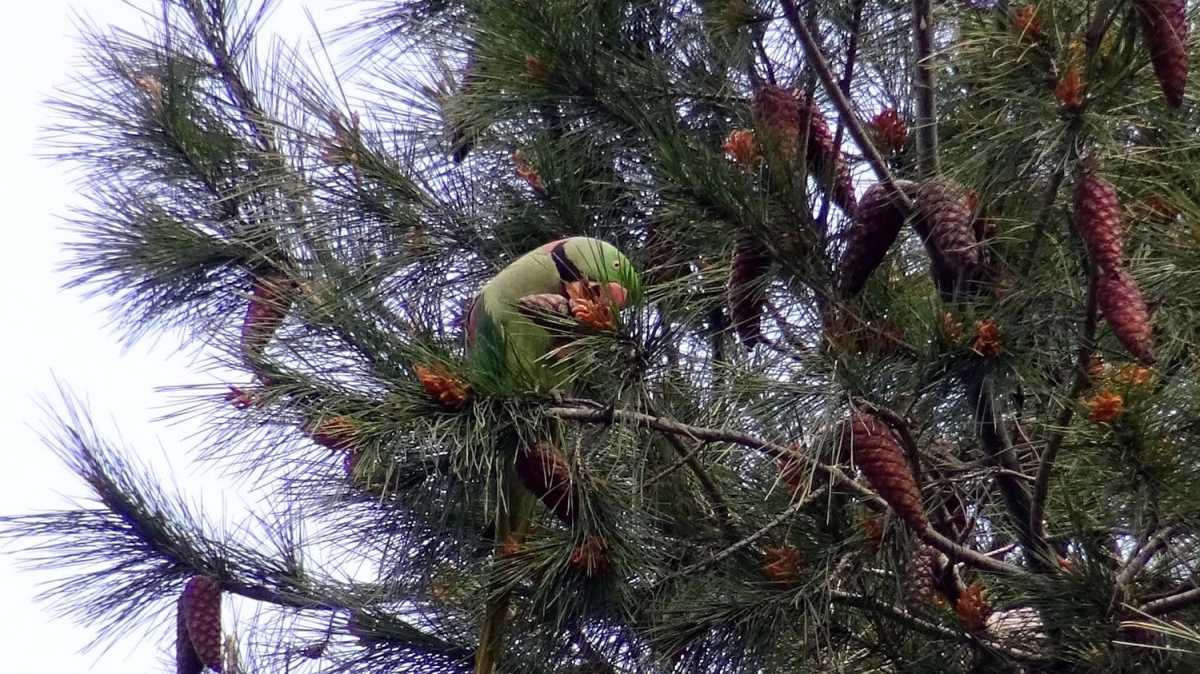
(589, 412)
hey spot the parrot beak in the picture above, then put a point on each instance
(617, 295)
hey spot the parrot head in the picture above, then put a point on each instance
(601, 263)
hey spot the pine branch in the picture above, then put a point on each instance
(927, 147)
(787, 514)
(589, 412)
(1182, 599)
(845, 109)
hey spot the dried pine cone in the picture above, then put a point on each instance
(545, 473)
(1121, 303)
(972, 608)
(270, 300)
(828, 165)
(783, 563)
(543, 307)
(747, 289)
(186, 660)
(944, 222)
(920, 584)
(882, 461)
(591, 556)
(1098, 216)
(1164, 25)
(200, 607)
(876, 225)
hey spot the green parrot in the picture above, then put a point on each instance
(517, 350)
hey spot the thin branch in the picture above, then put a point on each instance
(903, 617)
(1142, 556)
(589, 412)
(812, 52)
(927, 151)
(1172, 603)
(997, 445)
(782, 517)
(715, 497)
(1041, 485)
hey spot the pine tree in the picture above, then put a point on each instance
(1024, 496)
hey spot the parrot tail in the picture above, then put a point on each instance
(512, 525)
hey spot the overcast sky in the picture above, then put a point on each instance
(49, 334)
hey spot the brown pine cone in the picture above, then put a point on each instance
(1098, 216)
(747, 289)
(186, 660)
(944, 223)
(827, 164)
(200, 606)
(543, 308)
(920, 584)
(778, 112)
(876, 225)
(1122, 305)
(545, 473)
(270, 300)
(1164, 26)
(876, 453)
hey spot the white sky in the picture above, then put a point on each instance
(46, 333)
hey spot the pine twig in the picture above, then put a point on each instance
(1041, 485)
(590, 412)
(782, 517)
(1171, 603)
(845, 110)
(1142, 556)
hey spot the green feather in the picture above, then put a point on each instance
(513, 354)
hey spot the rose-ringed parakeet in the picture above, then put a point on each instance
(516, 350)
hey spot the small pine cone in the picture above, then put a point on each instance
(747, 289)
(879, 457)
(921, 580)
(828, 165)
(270, 300)
(543, 307)
(1098, 216)
(186, 660)
(876, 225)
(200, 606)
(1164, 26)
(545, 473)
(944, 222)
(1122, 305)
(778, 112)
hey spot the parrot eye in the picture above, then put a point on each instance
(616, 264)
